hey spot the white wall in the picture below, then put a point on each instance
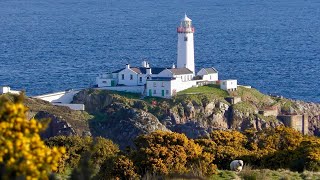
(229, 85)
(206, 76)
(179, 85)
(78, 107)
(14, 92)
(106, 82)
(184, 77)
(210, 77)
(173, 87)
(64, 97)
(144, 79)
(4, 89)
(7, 89)
(133, 89)
(127, 81)
(157, 87)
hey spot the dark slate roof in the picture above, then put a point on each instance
(142, 70)
(179, 71)
(161, 79)
(118, 70)
(211, 70)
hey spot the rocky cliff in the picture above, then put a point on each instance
(123, 116)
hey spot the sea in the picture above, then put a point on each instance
(54, 45)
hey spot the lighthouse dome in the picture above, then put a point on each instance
(186, 18)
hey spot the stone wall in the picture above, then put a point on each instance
(298, 122)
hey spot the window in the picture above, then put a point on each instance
(131, 76)
(210, 76)
(122, 76)
(167, 92)
(154, 92)
(224, 83)
(140, 79)
(104, 82)
(154, 84)
(162, 84)
(185, 38)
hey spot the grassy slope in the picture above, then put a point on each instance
(265, 174)
(208, 89)
(78, 119)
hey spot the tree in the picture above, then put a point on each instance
(22, 153)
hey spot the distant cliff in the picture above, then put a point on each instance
(122, 116)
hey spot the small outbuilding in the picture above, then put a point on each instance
(4, 89)
(229, 85)
(7, 89)
(208, 74)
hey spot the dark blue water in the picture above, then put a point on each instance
(52, 45)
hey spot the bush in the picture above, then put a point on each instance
(119, 167)
(166, 153)
(99, 148)
(23, 154)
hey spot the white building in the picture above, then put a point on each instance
(170, 81)
(7, 89)
(63, 98)
(162, 82)
(229, 85)
(208, 74)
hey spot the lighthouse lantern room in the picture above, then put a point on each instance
(185, 44)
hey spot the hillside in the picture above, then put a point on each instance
(195, 112)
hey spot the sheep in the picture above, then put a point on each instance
(236, 165)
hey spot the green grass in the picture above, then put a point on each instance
(245, 107)
(281, 174)
(127, 94)
(253, 96)
(207, 89)
(223, 175)
(268, 118)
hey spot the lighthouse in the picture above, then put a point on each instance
(185, 45)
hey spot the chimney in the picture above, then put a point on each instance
(173, 66)
(144, 64)
(127, 66)
(148, 71)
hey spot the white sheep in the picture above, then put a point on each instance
(236, 165)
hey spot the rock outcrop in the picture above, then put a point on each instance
(123, 116)
(56, 127)
(116, 120)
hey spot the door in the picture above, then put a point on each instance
(162, 92)
(112, 83)
(150, 92)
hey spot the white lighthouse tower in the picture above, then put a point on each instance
(185, 45)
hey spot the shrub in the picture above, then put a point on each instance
(166, 153)
(119, 167)
(100, 149)
(23, 154)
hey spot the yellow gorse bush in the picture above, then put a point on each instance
(22, 152)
